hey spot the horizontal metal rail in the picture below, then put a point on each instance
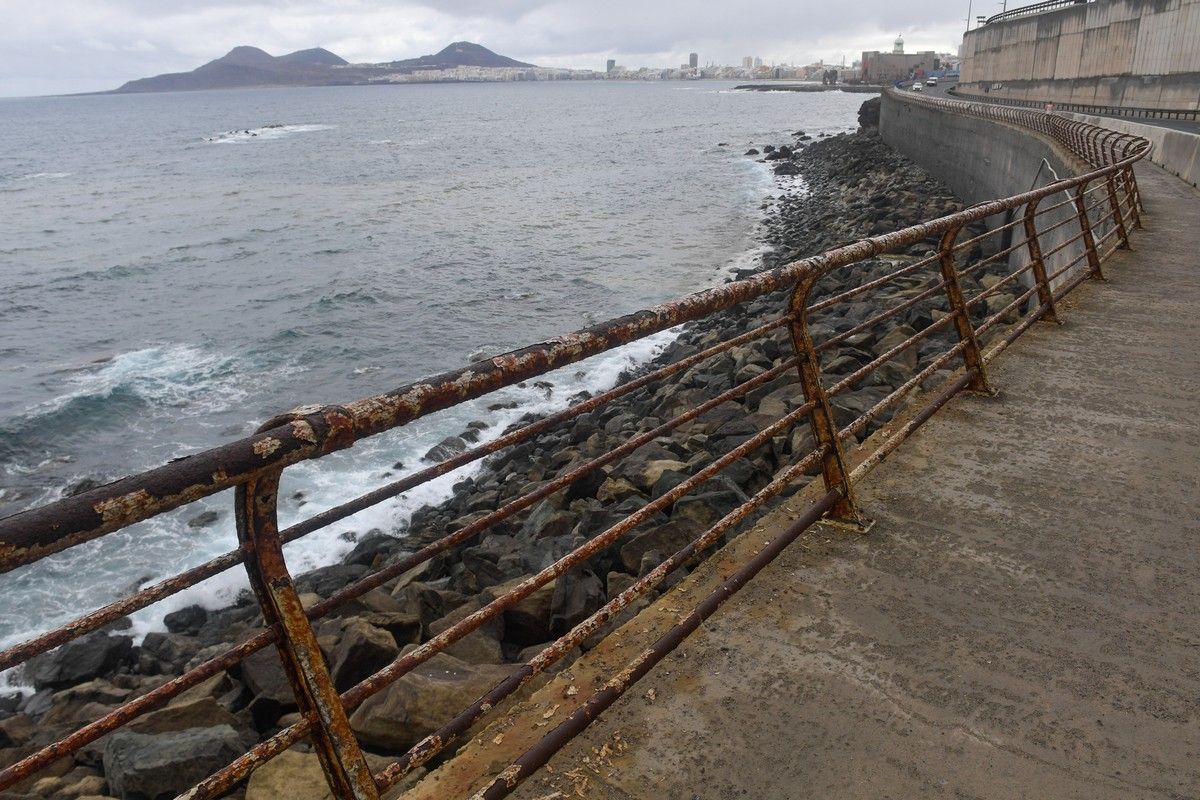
(1033, 255)
(1133, 112)
(1035, 8)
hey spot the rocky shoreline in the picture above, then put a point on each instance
(854, 186)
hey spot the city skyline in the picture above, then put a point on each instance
(91, 45)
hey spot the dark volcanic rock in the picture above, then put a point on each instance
(159, 766)
(327, 580)
(85, 658)
(186, 620)
(868, 113)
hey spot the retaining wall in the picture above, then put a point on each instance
(1129, 53)
(982, 160)
(1175, 151)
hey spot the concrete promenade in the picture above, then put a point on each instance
(1023, 621)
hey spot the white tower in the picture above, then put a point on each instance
(898, 47)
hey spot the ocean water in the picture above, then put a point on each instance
(177, 268)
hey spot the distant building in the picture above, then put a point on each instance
(693, 60)
(758, 62)
(883, 68)
(748, 62)
(611, 65)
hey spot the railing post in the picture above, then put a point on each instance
(1118, 220)
(834, 470)
(1135, 203)
(972, 358)
(1045, 295)
(1085, 226)
(336, 747)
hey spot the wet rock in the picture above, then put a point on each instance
(85, 658)
(751, 152)
(421, 701)
(142, 766)
(327, 580)
(83, 485)
(187, 620)
(203, 519)
(446, 448)
(372, 549)
(787, 168)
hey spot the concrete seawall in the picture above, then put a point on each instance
(1113, 53)
(982, 159)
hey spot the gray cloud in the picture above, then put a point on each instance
(87, 45)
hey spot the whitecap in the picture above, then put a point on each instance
(265, 133)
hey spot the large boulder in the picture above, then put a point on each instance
(576, 595)
(361, 650)
(160, 766)
(183, 714)
(327, 580)
(664, 540)
(420, 702)
(262, 673)
(187, 620)
(481, 646)
(81, 660)
(527, 621)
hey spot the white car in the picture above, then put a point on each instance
(931, 82)
(917, 87)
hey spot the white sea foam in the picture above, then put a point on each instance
(34, 176)
(178, 376)
(265, 133)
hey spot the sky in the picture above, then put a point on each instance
(90, 45)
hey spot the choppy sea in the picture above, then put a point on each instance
(176, 268)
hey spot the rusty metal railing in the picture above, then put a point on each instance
(1036, 247)
(1035, 8)
(1132, 112)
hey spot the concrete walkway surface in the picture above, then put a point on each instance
(1023, 621)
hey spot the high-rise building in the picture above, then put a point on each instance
(747, 61)
(758, 62)
(693, 60)
(612, 64)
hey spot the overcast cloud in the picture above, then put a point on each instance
(89, 45)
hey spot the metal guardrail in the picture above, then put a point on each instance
(1100, 208)
(1036, 8)
(1083, 108)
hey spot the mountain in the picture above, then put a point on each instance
(314, 55)
(460, 54)
(249, 66)
(245, 66)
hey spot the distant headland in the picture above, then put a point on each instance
(245, 67)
